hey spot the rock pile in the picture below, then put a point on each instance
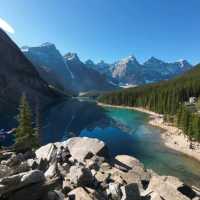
(81, 169)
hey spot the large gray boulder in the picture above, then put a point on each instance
(31, 192)
(80, 194)
(55, 195)
(166, 188)
(51, 171)
(114, 191)
(47, 152)
(128, 162)
(15, 182)
(130, 192)
(85, 193)
(4, 171)
(82, 147)
(80, 176)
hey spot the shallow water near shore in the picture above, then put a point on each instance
(124, 131)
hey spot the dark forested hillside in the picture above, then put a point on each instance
(167, 98)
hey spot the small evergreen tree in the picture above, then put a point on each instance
(26, 139)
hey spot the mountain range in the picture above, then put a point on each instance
(66, 72)
(129, 71)
(46, 66)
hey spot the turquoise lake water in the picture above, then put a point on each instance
(124, 131)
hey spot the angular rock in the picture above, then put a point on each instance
(130, 192)
(80, 176)
(102, 176)
(114, 191)
(127, 177)
(30, 192)
(56, 195)
(165, 189)
(105, 166)
(128, 162)
(15, 182)
(67, 186)
(51, 171)
(5, 155)
(80, 194)
(47, 152)
(32, 163)
(80, 147)
(4, 171)
(85, 194)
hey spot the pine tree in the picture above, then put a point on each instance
(26, 139)
(37, 128)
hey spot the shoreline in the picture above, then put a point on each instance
(172, 136)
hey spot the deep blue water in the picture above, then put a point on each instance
(124, 131)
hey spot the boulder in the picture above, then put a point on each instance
(67, 186)
(81, 147)
(80, 176)
(102, 177)
(105, 166)
(128, 162)
(5, 155)
(85, 193)
(55, 195)
(80, 194)
(23, 167)
(126, 177)
(4, 171)
(154, 196)
(114, 191)
(51, 171)
(30, 192)
(47, 152)
(130, 192)
(13, 160)
(15, 182)
(32, 163)
(164, 188)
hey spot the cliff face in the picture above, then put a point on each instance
(81, 169)
(18, 76)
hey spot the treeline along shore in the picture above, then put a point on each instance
(169, 103)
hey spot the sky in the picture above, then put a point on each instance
(108, 29)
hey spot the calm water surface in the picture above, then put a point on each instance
(124, 131)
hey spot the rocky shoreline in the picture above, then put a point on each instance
(81, 169)
(171, 136)
(175, 139)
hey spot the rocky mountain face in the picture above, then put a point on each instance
(50, 64)
(67, 73)
(18, 76)
(130, 71)
(81, 169)
(85, 78)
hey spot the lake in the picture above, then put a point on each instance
(124, 131)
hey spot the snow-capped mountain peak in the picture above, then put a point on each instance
(72, 57)
(47, 44)
(129, 59)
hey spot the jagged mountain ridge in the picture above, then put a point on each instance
(50, 64)
(130, 71)
(86, 79)
(18, 76)
(65, 72)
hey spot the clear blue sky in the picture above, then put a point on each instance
(109, 29)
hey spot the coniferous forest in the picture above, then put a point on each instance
(168, 98)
